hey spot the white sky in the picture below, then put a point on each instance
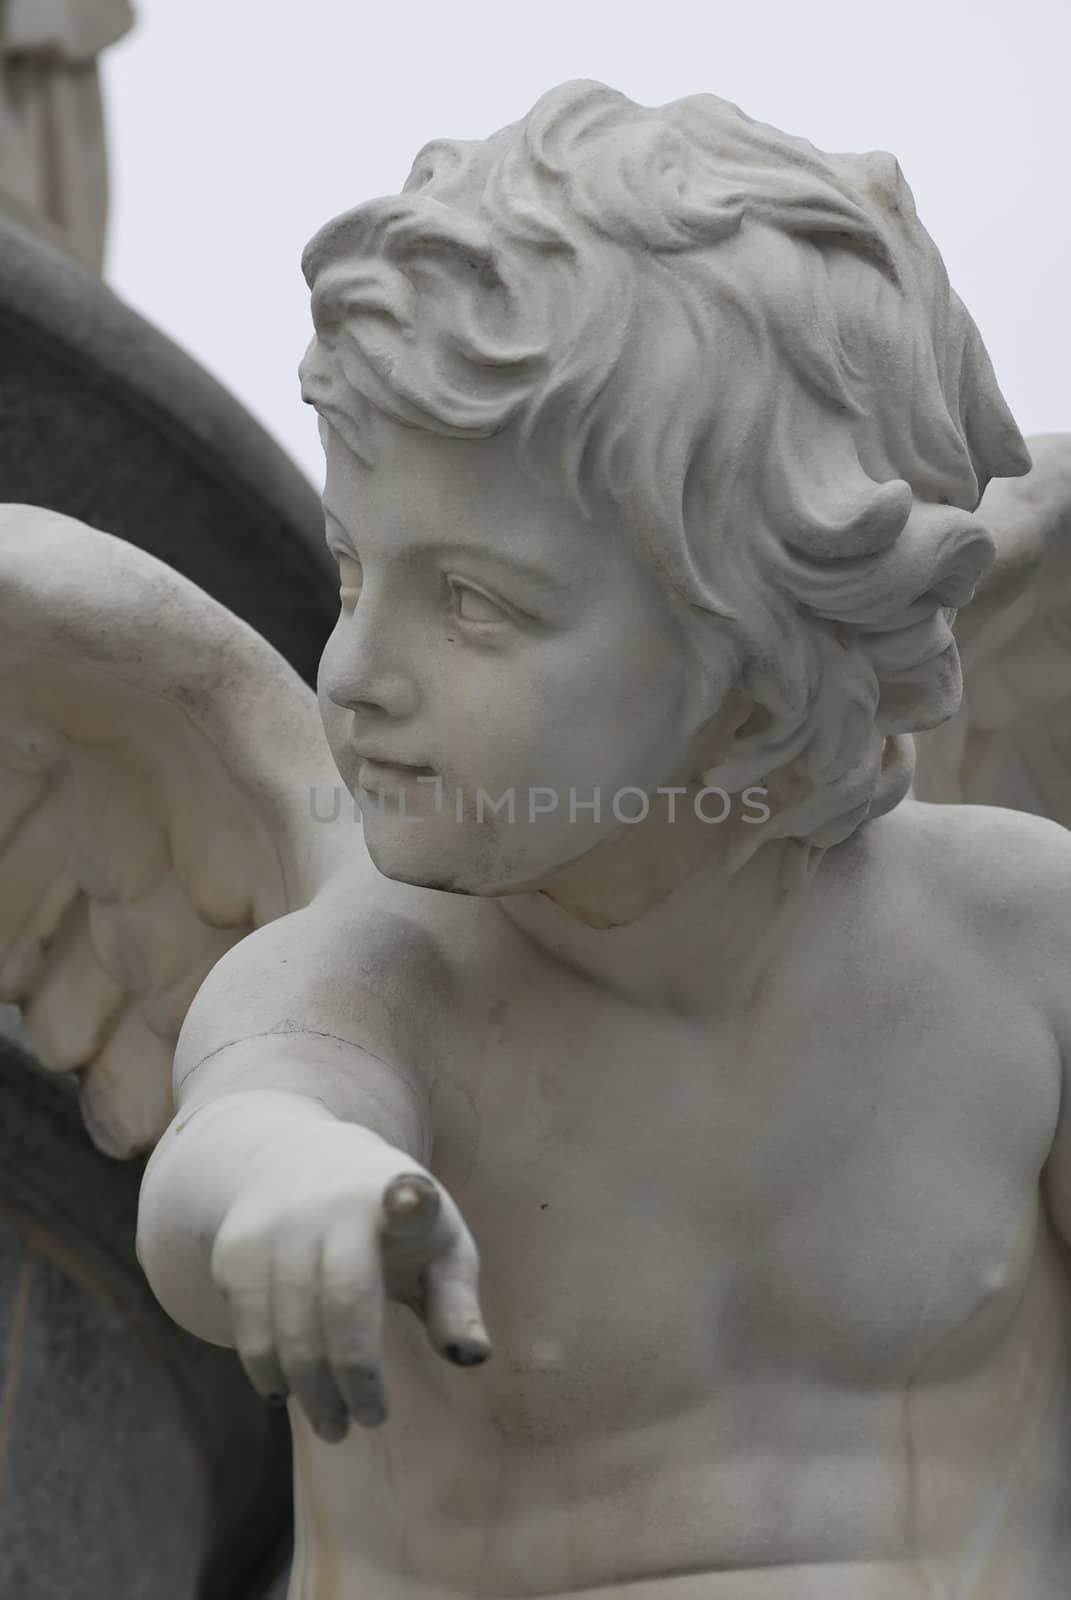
(239, 126)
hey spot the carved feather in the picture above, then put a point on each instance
(156, 758)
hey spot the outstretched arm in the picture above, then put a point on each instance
(290, 1196)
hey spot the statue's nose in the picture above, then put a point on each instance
(365, 665)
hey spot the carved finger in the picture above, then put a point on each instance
(251, 1323)
(351, 1316)
(453, 1318)
(312, 1385)
(299, 1341)
(238, 1271)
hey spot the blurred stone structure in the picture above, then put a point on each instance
(135, 1463)
(105, 419)
(53, 154)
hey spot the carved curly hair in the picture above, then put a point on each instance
(743, 351)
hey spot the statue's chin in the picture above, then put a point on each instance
(431, 871)
(430, 854)
(462, 879)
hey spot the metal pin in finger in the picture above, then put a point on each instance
(410, 1203)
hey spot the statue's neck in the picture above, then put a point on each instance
(643, 863)
(660, 905)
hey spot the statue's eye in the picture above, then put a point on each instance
(473, 605)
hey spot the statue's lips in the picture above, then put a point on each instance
(386, 777)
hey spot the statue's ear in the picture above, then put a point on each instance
(745, 741)
(739, 732)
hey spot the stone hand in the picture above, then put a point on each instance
(310, 1252)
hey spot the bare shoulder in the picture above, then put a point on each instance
(367, 965)
(401, 933)
(986, 857)
(998, 880)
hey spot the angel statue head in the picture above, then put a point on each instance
(654, 440)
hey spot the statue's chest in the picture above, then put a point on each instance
(661, 1204)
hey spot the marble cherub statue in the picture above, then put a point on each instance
(656, 449)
